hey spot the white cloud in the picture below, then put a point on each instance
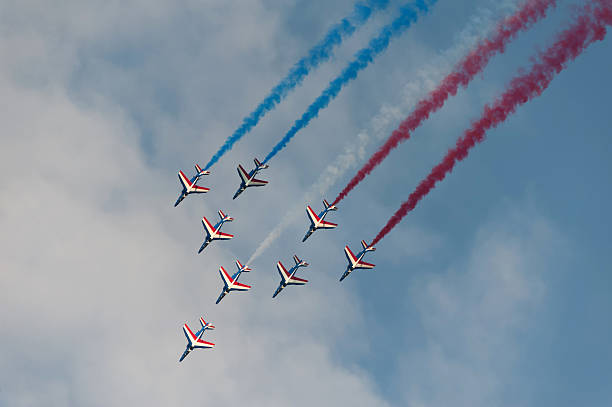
(474, 314)
(99, 271)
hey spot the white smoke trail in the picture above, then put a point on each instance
(427, 78)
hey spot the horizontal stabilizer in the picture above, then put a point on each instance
(224, 217)
(366, 247)
(241, 267)
(259, 165)
(328, 206)
(206, 325)
(200, 172)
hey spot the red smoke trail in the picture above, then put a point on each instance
(590, 26)
(530, 13)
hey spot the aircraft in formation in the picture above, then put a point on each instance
(194, 341)
(318, 222)
(231, 282)
(189, 185)
(214, 232)
(356, 262)
(248, 179)
(288, 277)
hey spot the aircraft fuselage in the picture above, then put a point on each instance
(284, 283)
(245, 185)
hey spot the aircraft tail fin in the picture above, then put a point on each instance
(259, 165)
(241, 267)
(200, 172)
(328, 206)
(366, 247)
(299, 262)
(224, 217)
(206, 325)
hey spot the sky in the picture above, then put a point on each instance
(494, 291)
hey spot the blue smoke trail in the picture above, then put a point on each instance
(408, 15)
(318, 54)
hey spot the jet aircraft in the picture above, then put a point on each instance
(318, 222)
(195, 341)
(231, 282)
(288, 277)
(356, 263)
(248, 179)
(189, 185)
(214, 232)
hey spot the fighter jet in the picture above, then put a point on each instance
(231, 282)
(249, 180)
(214, 232)
(189, 185)
(318, 222)
(195, 341)
(288, 277)
(355, 263)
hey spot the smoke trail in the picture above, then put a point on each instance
(317, 55)
(408, 15)
(530, 13)
(589, 27)
(478, 26)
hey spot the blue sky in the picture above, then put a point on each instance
(494, 291)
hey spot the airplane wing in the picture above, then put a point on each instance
(349, 255)
(364, 265)
(199, 343)
(282, 271)
(241, 287)
(327, 225)
(199, 190)
(191, 338)
(210, 229)
(223, 236)
(184, 180)
(257, 183)
(313, 216)
(296, 281)
(243, 174)
(227, 279)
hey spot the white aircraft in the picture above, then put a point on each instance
(214, 232)
(189, 185)
(195, 341)
(231, 282)
(318, 222)
(249, 180)
(356, 263)
(288, 277)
